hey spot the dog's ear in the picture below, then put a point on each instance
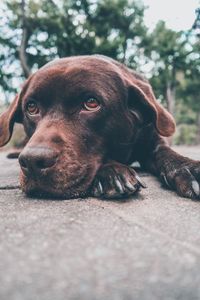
(7, 120)
(141, 95)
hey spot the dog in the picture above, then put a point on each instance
(87, 119)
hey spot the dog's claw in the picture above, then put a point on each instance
(141, 182)
(119, 185)
(185, 180)
(98, 189)
(116, 181)
(195, 188)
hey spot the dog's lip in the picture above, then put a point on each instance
(40, 193)
(39, 185)
(32, 189)
(49, 185)
(40, 180)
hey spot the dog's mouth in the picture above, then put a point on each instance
(58, 185)
(43, 193)
(45, 173)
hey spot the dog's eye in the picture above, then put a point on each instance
(91, 104)
(32, 108)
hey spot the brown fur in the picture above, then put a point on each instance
(72, 152)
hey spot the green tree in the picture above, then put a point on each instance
(175, 74)
(168, 50)
(188, 92)
(38, 31)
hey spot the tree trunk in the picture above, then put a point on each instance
(170, 97)
(24, 42)
(198, 129)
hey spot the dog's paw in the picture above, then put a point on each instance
(115, 180)
(185, 179)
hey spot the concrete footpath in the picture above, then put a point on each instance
(147, 247)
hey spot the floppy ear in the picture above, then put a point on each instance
(140, 91)
(7, 120)
(163, 120)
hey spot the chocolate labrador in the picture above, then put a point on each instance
(87, 119)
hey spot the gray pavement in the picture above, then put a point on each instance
(147, 247)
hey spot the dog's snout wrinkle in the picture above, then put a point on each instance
(37, 159)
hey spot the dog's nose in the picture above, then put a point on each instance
(37, 159)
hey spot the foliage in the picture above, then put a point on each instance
(39, 31)
(71, 28)
(185, 134)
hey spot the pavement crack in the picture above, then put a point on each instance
(17, 187)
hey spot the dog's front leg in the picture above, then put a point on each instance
(175, 171)
(115, 180)
(178, 172)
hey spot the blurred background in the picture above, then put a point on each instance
(160, 39)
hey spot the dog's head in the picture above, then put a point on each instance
(78, 112)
